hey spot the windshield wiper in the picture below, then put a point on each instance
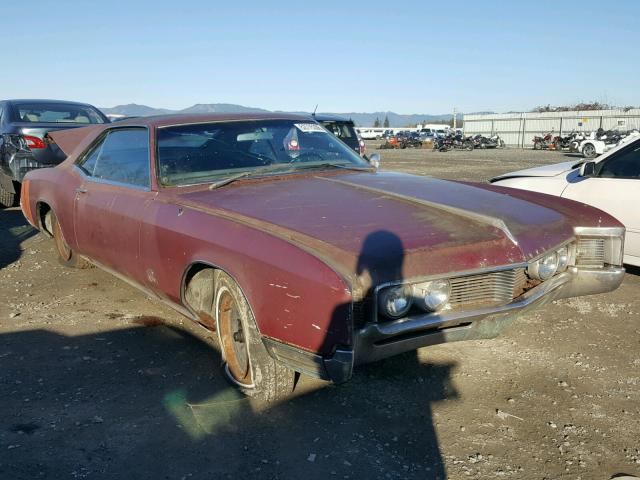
(238, 176)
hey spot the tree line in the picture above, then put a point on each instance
(582, 106)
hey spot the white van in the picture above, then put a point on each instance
(371, 133)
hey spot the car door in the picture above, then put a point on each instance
(112, 198)
(615, 188)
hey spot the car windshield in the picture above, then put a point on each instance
(208, 152)
(55, 113)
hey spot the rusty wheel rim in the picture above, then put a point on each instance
(61, 245)
(233, 338)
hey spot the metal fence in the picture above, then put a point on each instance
(518, 129)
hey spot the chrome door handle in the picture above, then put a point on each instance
(81, 190)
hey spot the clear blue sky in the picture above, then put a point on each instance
(408, 57)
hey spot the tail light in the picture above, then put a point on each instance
(33, 142)
(363, 148)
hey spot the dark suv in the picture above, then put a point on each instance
(23, 142)
(344, 129)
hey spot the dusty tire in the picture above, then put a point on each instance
(537, 146)
(66, 255)
(247, 364)
(589, 151)
(468, 146)
(7, 199)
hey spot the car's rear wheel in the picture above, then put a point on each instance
(66, 255)
(246, 360)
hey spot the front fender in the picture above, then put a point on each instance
(295, 296)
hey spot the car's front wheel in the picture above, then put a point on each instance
(246, 360)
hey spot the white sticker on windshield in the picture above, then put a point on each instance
(310, 127)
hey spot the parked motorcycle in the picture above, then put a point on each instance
(564, 142)
(543, 142)
(451, 142)
(402, 140)
(497, 140)
(480, 141)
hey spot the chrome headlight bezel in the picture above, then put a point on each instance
(544, 268)
(432, 296)
(564, 258)
(395, 294)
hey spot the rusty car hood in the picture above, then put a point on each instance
(355, 221)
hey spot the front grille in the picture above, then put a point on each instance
(487, 289)
(590, 252)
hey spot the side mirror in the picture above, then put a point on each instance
(588, 169)
(374, 160)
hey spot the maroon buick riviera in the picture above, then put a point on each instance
(300, 254)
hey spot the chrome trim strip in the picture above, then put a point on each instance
(599, 231)
(479, 217)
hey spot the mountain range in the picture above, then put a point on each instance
(360, 119)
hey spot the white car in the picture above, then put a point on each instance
(591, 146)
(610, 183)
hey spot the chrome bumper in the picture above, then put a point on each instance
(380, 340)
(376, 341)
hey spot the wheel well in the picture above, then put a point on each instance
(198, 292)
(44, 223)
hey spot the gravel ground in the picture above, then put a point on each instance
(98, 381)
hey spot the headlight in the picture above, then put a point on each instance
(563, 259)
(395, 302)
(544, 268)
(432, 296)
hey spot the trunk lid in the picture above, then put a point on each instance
(51, 154)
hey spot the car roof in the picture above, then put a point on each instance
(186, 118)
(43, 100)
(331, 118)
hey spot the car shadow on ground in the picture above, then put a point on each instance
(14, 229)
(151, 402)
(633, 270)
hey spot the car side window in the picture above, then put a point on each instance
(625, 164)
(122, 156)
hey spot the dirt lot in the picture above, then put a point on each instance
(99, 382)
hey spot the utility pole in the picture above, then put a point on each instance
(454, 118)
